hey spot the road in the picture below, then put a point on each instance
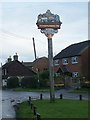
(10, 98)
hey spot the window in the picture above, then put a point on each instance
(56, 62)
(4, 82)
(4, 72)
(57, 74)
(65, 61)
(74, 60)
(75, 74)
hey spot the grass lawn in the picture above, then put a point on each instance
(24, 111)
(82, 90)
(59, 109)
(30, 90)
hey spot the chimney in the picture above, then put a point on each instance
(15, 57)
(9, 59)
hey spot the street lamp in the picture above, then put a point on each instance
(49, 25)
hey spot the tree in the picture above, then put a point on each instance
(43, 78)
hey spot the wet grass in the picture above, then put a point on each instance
(59, 109)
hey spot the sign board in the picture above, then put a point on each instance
(48, 20)
(48, 26)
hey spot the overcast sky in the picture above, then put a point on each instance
(18, 26)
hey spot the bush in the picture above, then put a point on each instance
(29, 82)
(12, 82)
(43, 79)
(85, 84)
(44, 74)
(43, 83)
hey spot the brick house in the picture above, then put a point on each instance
(38, 65)
(15, 69)
(74, 59)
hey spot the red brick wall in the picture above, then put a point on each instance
(86, 63)
(83, 65)
(41, 64)
(74, 67)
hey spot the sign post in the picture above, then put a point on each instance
(49, 25)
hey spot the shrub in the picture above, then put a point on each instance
(43, 79)
(12, 82)
(29, 82)
(43, 83)
(85, 84)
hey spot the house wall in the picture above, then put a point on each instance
(86, 64)
(83, 65)
(73, 67)
(40, 65)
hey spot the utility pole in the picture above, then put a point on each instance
(49, 24)
(34, 48)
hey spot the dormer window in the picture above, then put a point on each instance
(74, 60)
(65, 61)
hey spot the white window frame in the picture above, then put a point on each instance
(57, 74)
(65, 61)
(75, 74)
(74, 60)
(5, 72)
(4, 82)
(56, 62)
(2, 72)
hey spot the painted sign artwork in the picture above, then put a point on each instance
(48, 20)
